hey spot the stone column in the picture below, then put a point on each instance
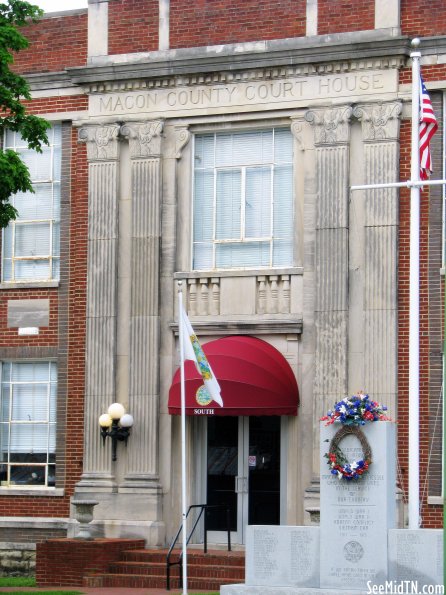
(100, 371)
(332, 135)
(380, 131)
(176, 137)
(145, 147)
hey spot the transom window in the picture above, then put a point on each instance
(30, 249)
(28, 424)
(243, 200)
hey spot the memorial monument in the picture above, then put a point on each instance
(357, 549)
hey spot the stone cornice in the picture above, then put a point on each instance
(264, 325)
(365, 50)
(362, 50)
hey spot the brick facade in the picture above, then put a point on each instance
(59, 43)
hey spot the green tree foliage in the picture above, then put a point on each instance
(14, 174)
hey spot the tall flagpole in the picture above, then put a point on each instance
(183, 437)
(414, 301)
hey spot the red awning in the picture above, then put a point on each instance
(255, 379)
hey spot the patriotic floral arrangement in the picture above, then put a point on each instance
(352, 412)
(356, 410)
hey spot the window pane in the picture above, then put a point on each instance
(32, 239)
(4, 441)
(30, 402)
(253, 202)
(203, 256)
(228, 204)
(7, 242)
(29, 439)
(51, 475)
(30, 372)
(258, 202)
(204, 151)
(26, 475)
(283, 202)
(31, 269)
(43, 205)
(283, 146)
(204, 206)
(6, 403)
(252, 254)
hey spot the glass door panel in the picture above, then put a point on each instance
(222, 464)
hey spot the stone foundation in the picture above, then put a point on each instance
(17, 559)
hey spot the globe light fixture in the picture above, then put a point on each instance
(115, 424)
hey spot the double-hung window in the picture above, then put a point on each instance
(30, 250)
(28, 423)
(243, 200)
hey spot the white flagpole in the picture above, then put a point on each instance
(183, 437)
(414, 301)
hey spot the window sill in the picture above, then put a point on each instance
(46, 492)
(435, 500)
(28, 284)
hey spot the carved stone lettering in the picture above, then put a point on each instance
(243, 96)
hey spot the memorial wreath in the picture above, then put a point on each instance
(352, 412)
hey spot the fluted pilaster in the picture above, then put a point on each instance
(145, 143)
(332, 135)
(380, 129)
(102, 151)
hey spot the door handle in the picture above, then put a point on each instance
(241, 485)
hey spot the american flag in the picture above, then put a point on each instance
(428, 127)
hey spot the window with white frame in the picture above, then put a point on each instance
(28, 424)
(30, 250)
(243, 200)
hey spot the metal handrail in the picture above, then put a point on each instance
(179, 562)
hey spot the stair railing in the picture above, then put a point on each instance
(203, 508)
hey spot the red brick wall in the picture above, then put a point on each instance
(65, 562)
(133, 26)
(211, 22)
(67, 341)
(420, 18)
(339, 16)
(55, 44)
(431, 515)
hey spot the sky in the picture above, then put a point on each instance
(58, 5)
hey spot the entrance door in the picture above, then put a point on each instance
(243, 472)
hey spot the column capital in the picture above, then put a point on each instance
(144, 138)
(380, 121)
(331, 125)
(297, 130)
(102, 141)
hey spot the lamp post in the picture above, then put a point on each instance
(115, 424)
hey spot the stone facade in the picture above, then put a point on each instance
(133, 108)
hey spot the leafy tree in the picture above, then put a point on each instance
(14, 174)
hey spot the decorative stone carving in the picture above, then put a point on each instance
(379, 121)
(102, 142)
(144, 138)
(331, 126)
(182, 137)
(297, 131)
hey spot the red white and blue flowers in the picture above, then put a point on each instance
(356, 410)
(352, 412)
